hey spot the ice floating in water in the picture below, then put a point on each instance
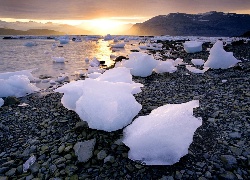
(94, 62)
(195, 70)
(198, 62)
(1, 102)
(28, 163)
(219, 58)
(58, 59)
(163, 136)
(165, 66)
(192, 46)
(120, 45)
(108, 37)
(30, 44)
(140, 64)
(64, 39)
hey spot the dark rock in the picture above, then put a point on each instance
(44, 76)
(228, 176)
(3, 170)
(120, 58)
(229, 161)
(134, 50)
(11, 100)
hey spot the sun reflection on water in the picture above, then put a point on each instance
(102, 52)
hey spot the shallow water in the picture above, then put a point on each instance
(14, 56)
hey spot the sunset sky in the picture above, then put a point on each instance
(108, 14)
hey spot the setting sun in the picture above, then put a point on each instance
(104, 26)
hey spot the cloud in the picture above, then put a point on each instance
(89, 9)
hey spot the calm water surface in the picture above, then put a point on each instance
(14, 56)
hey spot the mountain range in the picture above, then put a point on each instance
(36, 28)
(206, 24)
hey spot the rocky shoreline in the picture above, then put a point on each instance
(220, 148)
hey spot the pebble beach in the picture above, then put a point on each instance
(220, 149)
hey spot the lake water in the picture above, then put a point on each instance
(15, 56)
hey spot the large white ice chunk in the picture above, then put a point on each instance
(141, 64)
(162, 137)
(192, 46)
(219, 58)
(120, 74)
(17, 85)
(107, 106)
(1, 102)
(72, 92)
(165, 66)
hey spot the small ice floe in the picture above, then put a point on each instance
(94, 62)
(198, 62)
(30, 44)
(195, 70)
(1, 102)
(120, 45)
(140, 64)
(58, 59)
(64, 39)
(53, 46)
(108, 37)
(61, 78)
(80, 73)
(174, 122)
(165, 66)
(219, 58)
(29, 163)
(143, 47)
(192, 46)
(224, 80)
(52, 81)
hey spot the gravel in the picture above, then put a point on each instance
(220, 148)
